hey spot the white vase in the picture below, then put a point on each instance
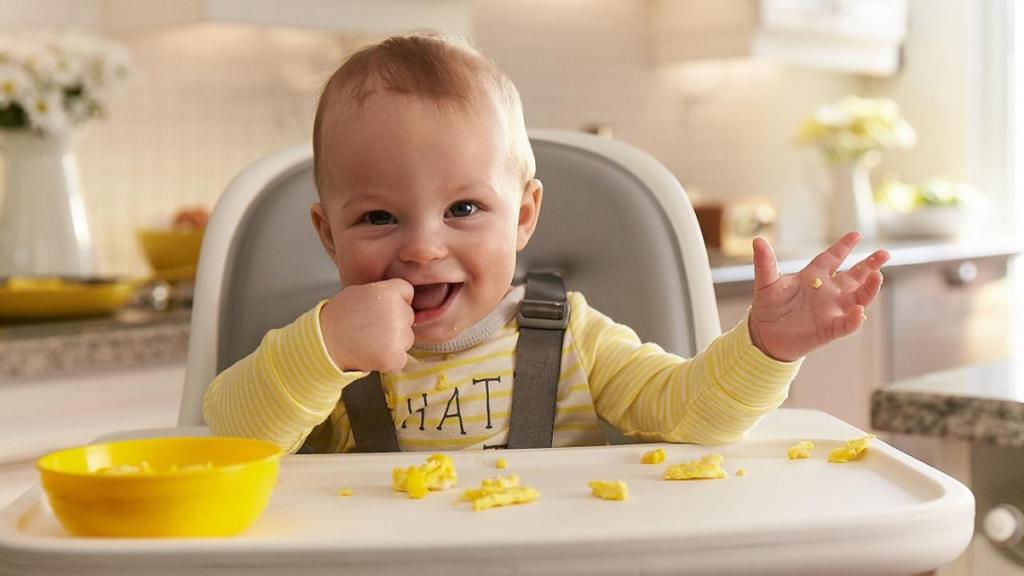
(43, 226)
(851, 205)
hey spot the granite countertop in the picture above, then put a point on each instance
(726, 269)
(132, 336)
(983, 402)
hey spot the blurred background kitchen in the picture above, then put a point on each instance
(748, 102)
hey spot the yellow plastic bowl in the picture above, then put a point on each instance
(172, 253)
(161, 487)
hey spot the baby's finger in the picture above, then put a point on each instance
(867, 291)
(863, 269)
(833, 257)
(399, 285)
(848, 323)
(766, 268)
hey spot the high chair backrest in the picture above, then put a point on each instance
(614, 221)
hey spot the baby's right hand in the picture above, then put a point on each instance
(369, 326)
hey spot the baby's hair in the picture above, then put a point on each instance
(445, 69)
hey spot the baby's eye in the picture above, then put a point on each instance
(462, 209)
(378, 218)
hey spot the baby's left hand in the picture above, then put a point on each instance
(790, 316)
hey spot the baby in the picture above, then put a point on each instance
(427, 192)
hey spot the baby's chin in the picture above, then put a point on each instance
(433, 335)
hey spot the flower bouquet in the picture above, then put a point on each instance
(853, 127)
(50, 81)
(850, 134)
(48, 84)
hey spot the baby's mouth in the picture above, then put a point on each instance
(431, 296)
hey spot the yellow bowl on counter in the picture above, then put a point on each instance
(30, 298)
(173, 253)
(161, 487)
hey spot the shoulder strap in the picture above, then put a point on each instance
(369, 416)
(543, 316)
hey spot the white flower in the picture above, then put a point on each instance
(46, 113)
(15, 84)
(854, 126)
(51, 80)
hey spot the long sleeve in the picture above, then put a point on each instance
(649, 394)
(282, 390)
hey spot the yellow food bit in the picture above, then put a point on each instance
(437, 473)
(656, 456)
(609, 490)
(800, 450)
(126, 469)
(708, 467)
(518, 495)
(491, 486)
(741, 472)
(816, 283)
(345, 492)
(501, 463)
(853, 450)
(499, 491)
(442, 383)
(833, 274)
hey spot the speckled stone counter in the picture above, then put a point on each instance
(133, 336)
(982, 403)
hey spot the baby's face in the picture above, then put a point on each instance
(426, 194)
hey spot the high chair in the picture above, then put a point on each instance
(617, 224)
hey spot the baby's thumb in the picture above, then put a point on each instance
(766, 268)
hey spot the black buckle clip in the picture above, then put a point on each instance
(543, 314)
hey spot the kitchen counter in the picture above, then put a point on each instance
(136, 336)
(983, 402)
(133, 336)
(726, 269)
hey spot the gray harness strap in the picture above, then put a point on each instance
(369, 416)
(543, 316)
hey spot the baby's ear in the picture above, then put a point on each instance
(529, 211)
(323, 228)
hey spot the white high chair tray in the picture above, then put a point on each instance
(884, 514)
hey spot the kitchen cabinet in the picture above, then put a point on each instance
(863, 37)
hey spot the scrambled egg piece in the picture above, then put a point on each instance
(853, 450)
(656, 456)
(800, 450)
(509, 496)
(344, 492)
(741, 472)
(609, 490)
(437, 473)
(817, 283)
(501, 463)
(708, 467)
(125, 469)
(499, 491)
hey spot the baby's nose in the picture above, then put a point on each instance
(422, 245)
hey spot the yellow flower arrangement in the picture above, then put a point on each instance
(852, 127)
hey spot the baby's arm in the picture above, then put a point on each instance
(293, 381)
(649, 394)
(281, 391)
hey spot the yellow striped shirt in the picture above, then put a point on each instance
(289, 386)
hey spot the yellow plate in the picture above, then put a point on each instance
(51, 298)
(172, 253)
(161, 487)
